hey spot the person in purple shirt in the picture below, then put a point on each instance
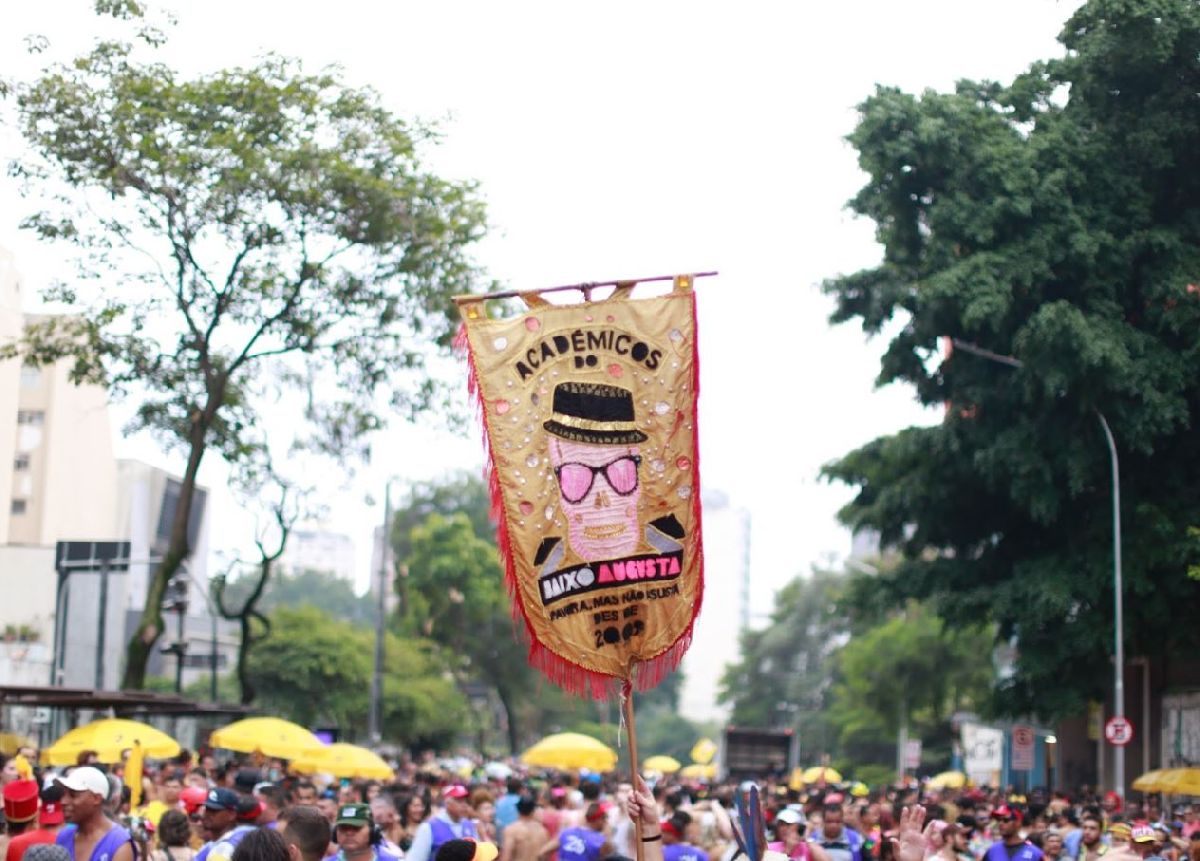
(674, 835)
(221, 825)
(358, 837)
(1011, 846)
(587, 843)
(92, 836)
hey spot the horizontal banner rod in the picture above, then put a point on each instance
(583, 288)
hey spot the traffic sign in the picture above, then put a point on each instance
(1023, 738)
(1118, 730)
(912, 754)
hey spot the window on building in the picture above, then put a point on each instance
(18, 506)
(31, 376)
(21, 462)
(30, 417)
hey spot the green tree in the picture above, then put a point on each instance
(785, 671)
(457, 598)
(252, 231)
(317, 670)
(1051, 228)
(462, 493)
(909, 670)
(308, 588)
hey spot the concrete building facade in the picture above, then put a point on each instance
(315, 548)
(62, 482)
(726, 609)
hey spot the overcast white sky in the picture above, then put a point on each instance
(626, 139)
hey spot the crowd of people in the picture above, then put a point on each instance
(196, 809)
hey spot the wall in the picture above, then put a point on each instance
(27, 583)
(80, 478)
(10, 329)
(723, 613)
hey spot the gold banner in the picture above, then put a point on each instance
(590, 418)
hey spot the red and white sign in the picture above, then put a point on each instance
(1118, 730)
(1022, 747)
(912, 754)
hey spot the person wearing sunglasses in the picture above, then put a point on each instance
(1011, 846)
(594, 452)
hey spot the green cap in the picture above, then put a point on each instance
(353, 814)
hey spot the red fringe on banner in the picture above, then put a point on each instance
(567, 675)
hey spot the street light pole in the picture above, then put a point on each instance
(375, 718)
(1118, 584)
(1118, 593)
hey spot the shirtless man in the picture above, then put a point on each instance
(524, 839)
(95, 837)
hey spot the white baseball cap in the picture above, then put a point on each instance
(86, 779)
(789, 816)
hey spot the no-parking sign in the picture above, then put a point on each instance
(1118, 730)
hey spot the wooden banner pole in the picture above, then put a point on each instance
(631, 726)
(586, 287)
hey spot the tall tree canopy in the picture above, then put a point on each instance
(249, 231)
(909, 669)
(316, 670)
(786, 671)
(1054, 221)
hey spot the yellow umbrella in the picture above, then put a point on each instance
(267, 735)
(948, 780)
(661, 764)
(1180, 781)
(821, 773)
(1152, 781)
(110, 738)
(568, 750)
(708, 771)
(344, 760)
(703, 751)
(11, 742)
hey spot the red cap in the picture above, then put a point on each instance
(668, 827)
(193, 798)
(1004, 811)
(598, 811)
(51, 813)
(456, 790)
(21, 801)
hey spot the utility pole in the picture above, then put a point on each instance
(375, 718)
